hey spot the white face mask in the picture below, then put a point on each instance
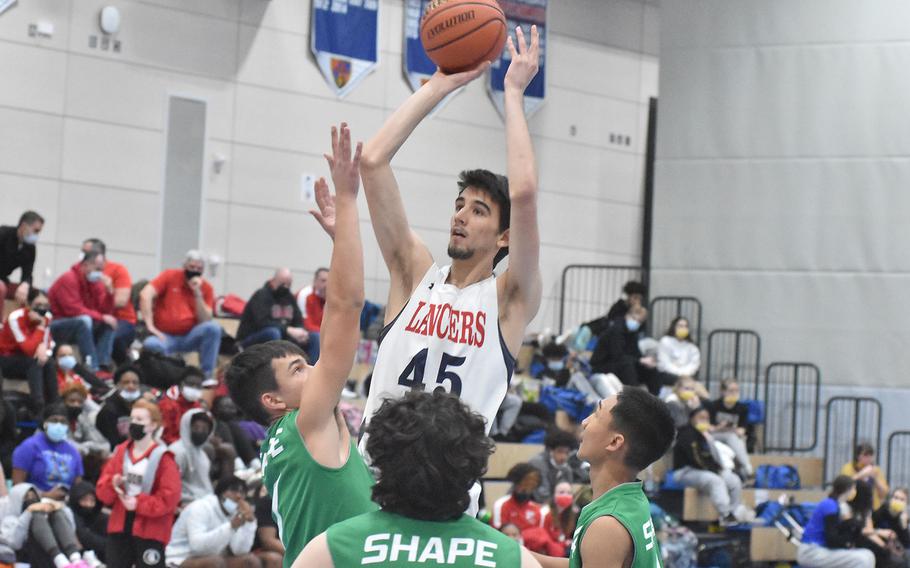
(192, 394)
(229, 505)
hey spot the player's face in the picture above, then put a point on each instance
(291, 373)
(597, 431)
(475, 226)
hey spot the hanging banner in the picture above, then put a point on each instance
(524, 13)
(345, 40)
(417, 66)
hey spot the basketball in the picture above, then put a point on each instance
(458, 35)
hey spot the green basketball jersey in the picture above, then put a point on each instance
(628, 504)
(387, 539)
(308, 498)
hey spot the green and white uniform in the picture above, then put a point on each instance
(627, 504)
(307, 497)
(386, 539)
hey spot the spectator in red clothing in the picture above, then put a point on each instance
(119, 286)
(554, 538)
(518, 506)
(178, 400)
(312, 316)
(181, 321)
(141, 484)
(70, 370)
(24, 342)
(83, 310)
(17, 250)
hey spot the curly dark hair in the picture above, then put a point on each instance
(497, 187)
(251, 374)
(429, 449)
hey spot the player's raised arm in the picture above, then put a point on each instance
(522, 280)
(340, 331)
(405, 255)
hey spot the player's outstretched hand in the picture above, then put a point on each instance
(525, 60)
(453, 81)
(326, 203)
(345, 168)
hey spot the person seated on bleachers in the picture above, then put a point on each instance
(688, 395)
(177, 309)
(195, 465)
(272, 313)
(633, 294)
(831, 533)
(518, 507)
(17, 250)
(91, 520)
(864, 471)
(177, 400)
(312, 315)
(24, 346)
(70, 370)
(267, 545)
(553, 463)
(113, 419)
(91, 443)
(118, 285)
(83, 310)
(892, 515)
(618, 352)
(215, 531)
(677, 354)
(560, 516)
(229, 430)
(730, 420)
(870, 537)
(697, 464)
(46, 459)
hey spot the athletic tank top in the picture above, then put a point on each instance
(627, 504)
(307, 497)
(445, 338)
(387, 539)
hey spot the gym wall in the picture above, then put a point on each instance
(83, 134)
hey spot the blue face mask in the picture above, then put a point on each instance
(67, 362)
(30, 239)
(632, 324)
(93, 276)
(556, 365)
(56, 432)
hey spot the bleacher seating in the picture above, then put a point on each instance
(698, 507)
(768, 544)
(506, 455)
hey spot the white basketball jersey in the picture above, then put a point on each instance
(445, 338)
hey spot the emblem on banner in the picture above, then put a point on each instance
(341, 71)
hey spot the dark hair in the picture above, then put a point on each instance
(840, 485)
(497, 187)
(557, 438)
(645, 422)
(30, 217)
(127, 369)
(554, 350)
(635, 287)
(320, 269)
(863, 449)
(230, 483)
(96, 244)
(55, 409)
(34, 293)
(671, 331)
(429, 449)
(725, 384)
(697, 409)
(191, 371)
(862, 502)
(519, 471)
(250, 374)
(91, 255)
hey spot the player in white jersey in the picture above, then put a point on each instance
(456, 327)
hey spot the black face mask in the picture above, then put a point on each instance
(73, 412)
(198, 438)
(190, 274)
(283, 290)
(522, 497)
(87, 512)
(137, 431)
(28, 502)
(41, 311)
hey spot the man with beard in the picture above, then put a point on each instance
(272, 313)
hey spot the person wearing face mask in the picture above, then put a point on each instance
(688, 394)
(70, 370)
(47, 459)
(83, 310)
(177, 400)
(730, 419)
(272, 313)
(617, 352)
(141, 485)
(118, 284)
(893, 516)
(17, 250)
(831, 532)
(177, 309)
(697, 464)
(91, 520)
(677, 354)
(91, 443)
(553, 463)
(215, 530)
(518, 507)
(560, 515)
(113, 420)
(195, 465)
(24, 346)
(315, 306)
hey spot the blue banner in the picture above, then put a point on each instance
(417, 66)
(344, 37)
(524, 13)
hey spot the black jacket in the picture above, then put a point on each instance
(269, 307)
(91, 524)
(882, 519)
(692, 450)
(112, 411)
(617, 352)
(14, 254)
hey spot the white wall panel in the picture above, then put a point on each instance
(113, 155)
(30, 142)
(121, 218)
(33, 77)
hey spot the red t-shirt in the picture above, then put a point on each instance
(314, 307)
(121, 279)
(175, 304)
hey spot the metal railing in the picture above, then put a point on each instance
(588, 290)
(898, 472)
(792, 407)
(734, 353)
(850, 420)
(664, 309)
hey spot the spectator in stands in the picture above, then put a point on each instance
(181, 320)
(8, 435)
(70, 370)
(870, 537)
(91, 443)
(83, 311)
(315, 304)
(553, 463)
(892, 515)
(617, 352)
(24, 346)
(677, 354)
(230, 431)
(215, 530)
(697, 464)
(865, 472)
(268, 545)
(196, 428)
(141, 484)
(178, 400)
(633, 294)
(119, 287)
(830, 533)
(518, 507)
(554, 536)
(47, 459)
(17, 250)
(91, 521)
(688, 395)
(272, 313)
(513, 532)
(730, 420)
(113, 420)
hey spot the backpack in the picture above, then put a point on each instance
(574, 403)
(769, 476)
(756, 414)
(159, 370)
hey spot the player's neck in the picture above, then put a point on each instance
(606, 476)
(469, 271)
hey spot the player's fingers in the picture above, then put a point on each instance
(535, 40)
(345, 142)
(334, 140)
(511, 45)
(520, 37)
(330, 161)
(357, 154)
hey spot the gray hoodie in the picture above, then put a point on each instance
(14, 522)
(192, 460)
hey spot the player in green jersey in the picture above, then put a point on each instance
(429, 449)
(313, 472)
(626, 433)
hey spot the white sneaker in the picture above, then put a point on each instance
(743, 514)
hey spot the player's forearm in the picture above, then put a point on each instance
(380, 150)
(345, 288)
(521, 163)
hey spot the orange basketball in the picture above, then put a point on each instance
(460, 34)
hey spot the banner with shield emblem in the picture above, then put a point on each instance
(524, 13)
(344, 38)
